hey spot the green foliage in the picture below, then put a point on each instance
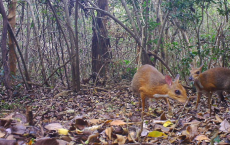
(126, 62)
(9, 106)
(217, 139)
(223, 8)
(152, 24)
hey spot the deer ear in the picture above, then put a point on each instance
(168, 80)
(191, 66)
(201, 66)
(177, 78)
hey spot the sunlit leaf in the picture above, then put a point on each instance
(167, 123)
(63, 131)
(156, 134)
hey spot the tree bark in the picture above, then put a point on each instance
(100, 41)
(72, 47)
(12, 21)
(77, 70)
(4, 50)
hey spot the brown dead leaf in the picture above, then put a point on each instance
(54, 126)
(218, 118)
(202, 137)
(162, 128)
(163, 116)
(192, 131)
(120, 139)
(108, 121)
(225, 126)
(93, 138)
(200, 116)
(2, 134)
(95, 121)
(5, 122)
(184, 139)
(47, 141)
(132, 135)
(108, 132)
(117, 122)
(81, 123)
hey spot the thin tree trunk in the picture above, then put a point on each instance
(4, 51)
(27, 36)
(12, 22)
(72, 46)
(77, 70)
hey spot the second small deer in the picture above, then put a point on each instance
(210, 81)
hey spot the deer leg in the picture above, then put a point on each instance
(167, 101)
(198, 98)
(143, 101)
(209, 94)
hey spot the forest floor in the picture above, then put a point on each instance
(108, 115)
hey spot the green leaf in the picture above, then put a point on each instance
(127, 62)
(217, 139)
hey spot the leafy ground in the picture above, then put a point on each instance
(107, 116)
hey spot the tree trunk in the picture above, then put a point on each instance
(12, 21)
(77, 70)
(72, 48)
(100, 41)
(27, 36)
(4, 50)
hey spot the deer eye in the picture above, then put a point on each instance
(197, 72)
(177, 92)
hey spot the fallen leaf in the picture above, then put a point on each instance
(117, 122)
(46, 141)
(92, 138)
(192, 131)
(202, 137)
(120, 139)
(162, 128)
(94, 121)
(163, 116)
(167, 123)
(156, 134)
(144, 132)
(63, 131)
(81, 123)
(218, 118)
(225, 126)
(132, 135)
(2, 134)
(108, 132)
(54, 126)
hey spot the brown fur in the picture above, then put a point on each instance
(148, 81)
(212, 80)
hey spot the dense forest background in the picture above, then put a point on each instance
(52, 45)
(65, 42)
